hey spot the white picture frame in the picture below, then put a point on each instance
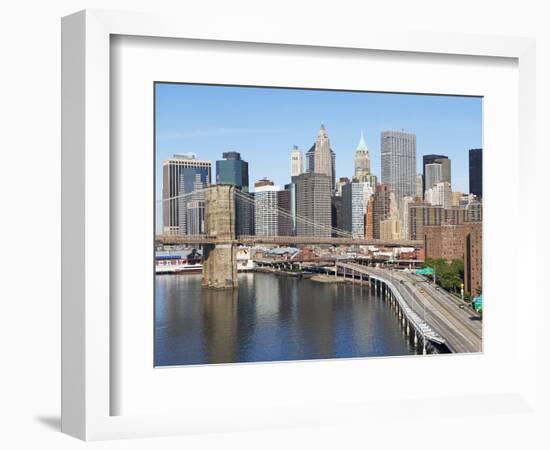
(87, 353)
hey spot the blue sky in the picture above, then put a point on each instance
(264, 123)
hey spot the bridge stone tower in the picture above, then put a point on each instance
(219, 259)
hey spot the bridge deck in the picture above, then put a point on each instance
(174, 239)
(460, 328)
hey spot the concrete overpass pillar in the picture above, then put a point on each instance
(220, 258)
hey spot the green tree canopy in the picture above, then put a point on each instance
(449, 274)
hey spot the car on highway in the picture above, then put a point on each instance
(421, 291)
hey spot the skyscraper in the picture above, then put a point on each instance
(476, 172)
(407, 201)
(440, 194)
(384, 207)
(445, 169)
(191, 209)
(296, 162)
(433, 175)
(313, 205)
(323, 159)
(266, 215)
(244, 213)
(284, 205)
(473, 250)
(362, 158)
(336, 212)
(437, 159)
(369, 219)
(319, 161)
(398, 154)
(370, 182)
(232, 170)
(415, 227)
(353, 209)
(291, 188)
(339, 184)
(419, 186)
(263, 182)
(178, 178)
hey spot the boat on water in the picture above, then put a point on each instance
(177, 268)
(178, 262)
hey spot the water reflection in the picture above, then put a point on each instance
(219, 317)
(270, 318)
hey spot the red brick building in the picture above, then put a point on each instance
(369, 220)
(473, 258)
(463, 241)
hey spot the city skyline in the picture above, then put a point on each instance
(211, 120)
(322, 217)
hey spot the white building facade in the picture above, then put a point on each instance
(296, 162)
(266, 213)
(353, 209)
(440, 194)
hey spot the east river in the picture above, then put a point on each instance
(271, 318)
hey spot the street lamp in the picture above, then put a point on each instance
(435, 279)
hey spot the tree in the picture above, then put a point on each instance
(449, 274)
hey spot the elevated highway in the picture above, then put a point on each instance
(459, 326)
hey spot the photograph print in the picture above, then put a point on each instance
(301, 224)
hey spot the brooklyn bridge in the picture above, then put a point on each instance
(221, 238)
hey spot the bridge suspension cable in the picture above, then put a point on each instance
(197, 194)
(182, 196)
(303, 220)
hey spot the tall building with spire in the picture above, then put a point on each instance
(320, 158)
(323, 159)
(362, 158)
(296, 162)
